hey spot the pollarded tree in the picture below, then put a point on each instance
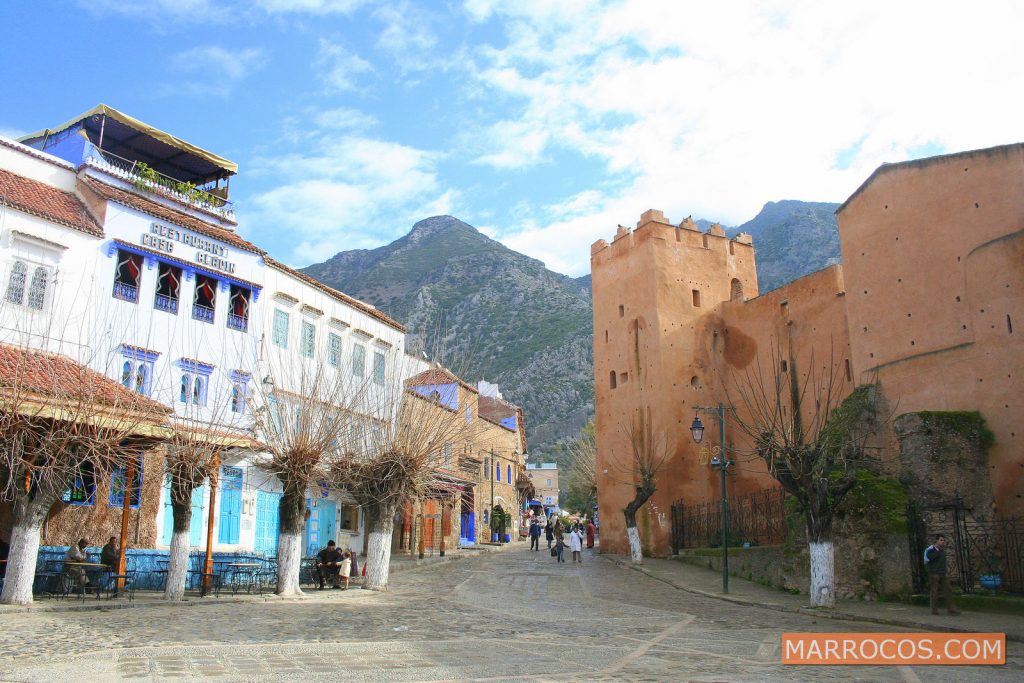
(813, 442)
(391, 448)
(60, 421)
(648, 454)
(301, 413)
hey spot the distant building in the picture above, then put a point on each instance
(545, 481)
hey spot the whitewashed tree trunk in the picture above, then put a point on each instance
(378, 551)
(289, 557)
(635, 551)
(823, 574)
(177, 565)
(21, 564)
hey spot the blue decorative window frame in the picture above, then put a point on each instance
(83, 490)
(193, 371)
(308, 346)
(239, 391)
(279, 335)
(117, 485)
(138, 363)
(190, 269)
(333, 350)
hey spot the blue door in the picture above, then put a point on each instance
(230, 505)
(268, 518)
(312, 535)
(195, 528)
(467, 530)
(195, 524)
(326, 514)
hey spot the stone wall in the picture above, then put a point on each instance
(864, 571)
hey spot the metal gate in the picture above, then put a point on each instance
(978, 546)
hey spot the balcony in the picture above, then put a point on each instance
(237, 322)
(166, 304)
(146, 179)
(126, 292)
(202, 313)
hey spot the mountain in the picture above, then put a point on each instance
(791, 239)
(521, 325)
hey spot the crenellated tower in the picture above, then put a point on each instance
(657, 290)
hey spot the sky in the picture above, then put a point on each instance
(543, 124)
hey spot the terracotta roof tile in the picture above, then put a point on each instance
(341, 296)
(46, 201)
(165, 213)
(51, 375)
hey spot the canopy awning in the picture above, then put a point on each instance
(130, 138)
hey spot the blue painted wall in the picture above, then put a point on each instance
(447, 394)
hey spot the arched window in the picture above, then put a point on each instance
(198, 391)
(185, 382)
(236, 399)
(37, 290)
(126, 374)
(736, 290)
(141, 378)
(508, 471)
(16, 283)
(497, 471)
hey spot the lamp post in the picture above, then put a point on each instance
(722, 462)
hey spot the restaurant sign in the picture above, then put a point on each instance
(208, 253)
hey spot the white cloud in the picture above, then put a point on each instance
(353, 192)
(220, 63)
(12, 133)
(343, 118)
(712, 110)
(310, 6)
(338, 67)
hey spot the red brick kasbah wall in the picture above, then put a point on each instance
(68, 523)
(934, 254)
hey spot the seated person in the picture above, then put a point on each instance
(328, 562)
(110, 555)
(76, 553)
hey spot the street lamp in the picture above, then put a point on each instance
(722, 462)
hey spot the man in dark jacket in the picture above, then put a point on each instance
(328, 562)
(111, 554)
(534, 535)
(935, 563)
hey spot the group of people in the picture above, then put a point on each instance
(555, 533)
(335, 564)
(110, 558)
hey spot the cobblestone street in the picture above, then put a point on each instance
(510, 615)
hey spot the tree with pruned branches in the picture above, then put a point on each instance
(813, 435)
(648, 453)
(581, 458)
(302, 414)
(391, 453)
(60, 420)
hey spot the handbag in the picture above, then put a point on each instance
(554, 551)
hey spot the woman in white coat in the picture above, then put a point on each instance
(576, 543)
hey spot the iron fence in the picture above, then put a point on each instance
(757, 518)
(978, 546)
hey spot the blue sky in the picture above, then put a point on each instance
(544, 124)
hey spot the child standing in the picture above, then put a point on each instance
(346, 568)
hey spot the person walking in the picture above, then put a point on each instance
(576, 544)
(534, 535)
(590, 533)
(935, 563)
(559, 540)
(549, 532)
